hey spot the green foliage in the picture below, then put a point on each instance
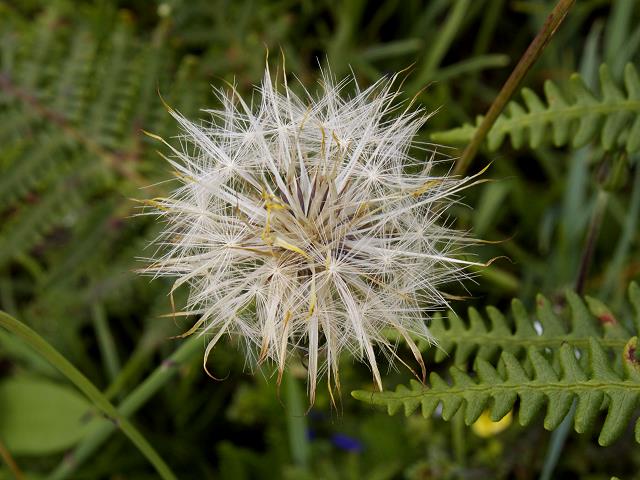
(464, 340)
(57, 413)
(559, 367)
(592, 388)
(80, 80)
(100, 402)
(574, 119)
(74, 101)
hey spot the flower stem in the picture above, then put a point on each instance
(558, 437)
(138, 397)
(443, 41)
(296, 422)
(106, 343)
(459, 432)
(527, 60)
(592, 238)
(89, 389)
(5, 455)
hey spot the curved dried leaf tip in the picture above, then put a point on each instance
(298, 227)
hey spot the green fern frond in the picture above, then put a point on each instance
(31, 166)
(463, 340)
(553, 390)
(74, 101)
(575, 119)
(31, 221)
(74, 104)
(588, 357)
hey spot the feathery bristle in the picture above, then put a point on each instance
(304, 224)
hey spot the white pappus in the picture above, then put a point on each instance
(304, 223)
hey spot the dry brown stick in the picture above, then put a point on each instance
(530, 56)
(11, 463)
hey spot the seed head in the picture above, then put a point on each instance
(310, 223)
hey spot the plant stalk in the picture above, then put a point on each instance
(106, 342)
(458, 434)
(592, 238)
(83, 384)
(554, 20)
(5, 455)
(131, 404)
(558, 437)
(296, 422)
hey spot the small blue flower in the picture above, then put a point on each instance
(345, 442)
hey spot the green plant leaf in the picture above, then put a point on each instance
(574, 119)
(592, 360)
(79, 380)
(547, 388)
(488, 335)
(40, 417)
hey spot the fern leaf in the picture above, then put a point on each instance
(70, 98)
(485, 336)
(575, 119)
(27, 167)
(547, 389)
(30, 223)
(71, 90)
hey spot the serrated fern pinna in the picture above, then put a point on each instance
(576, 118)
(594, 362)
(74, 101)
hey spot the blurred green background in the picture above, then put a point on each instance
(79, 81)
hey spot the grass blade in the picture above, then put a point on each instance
(89, 389)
